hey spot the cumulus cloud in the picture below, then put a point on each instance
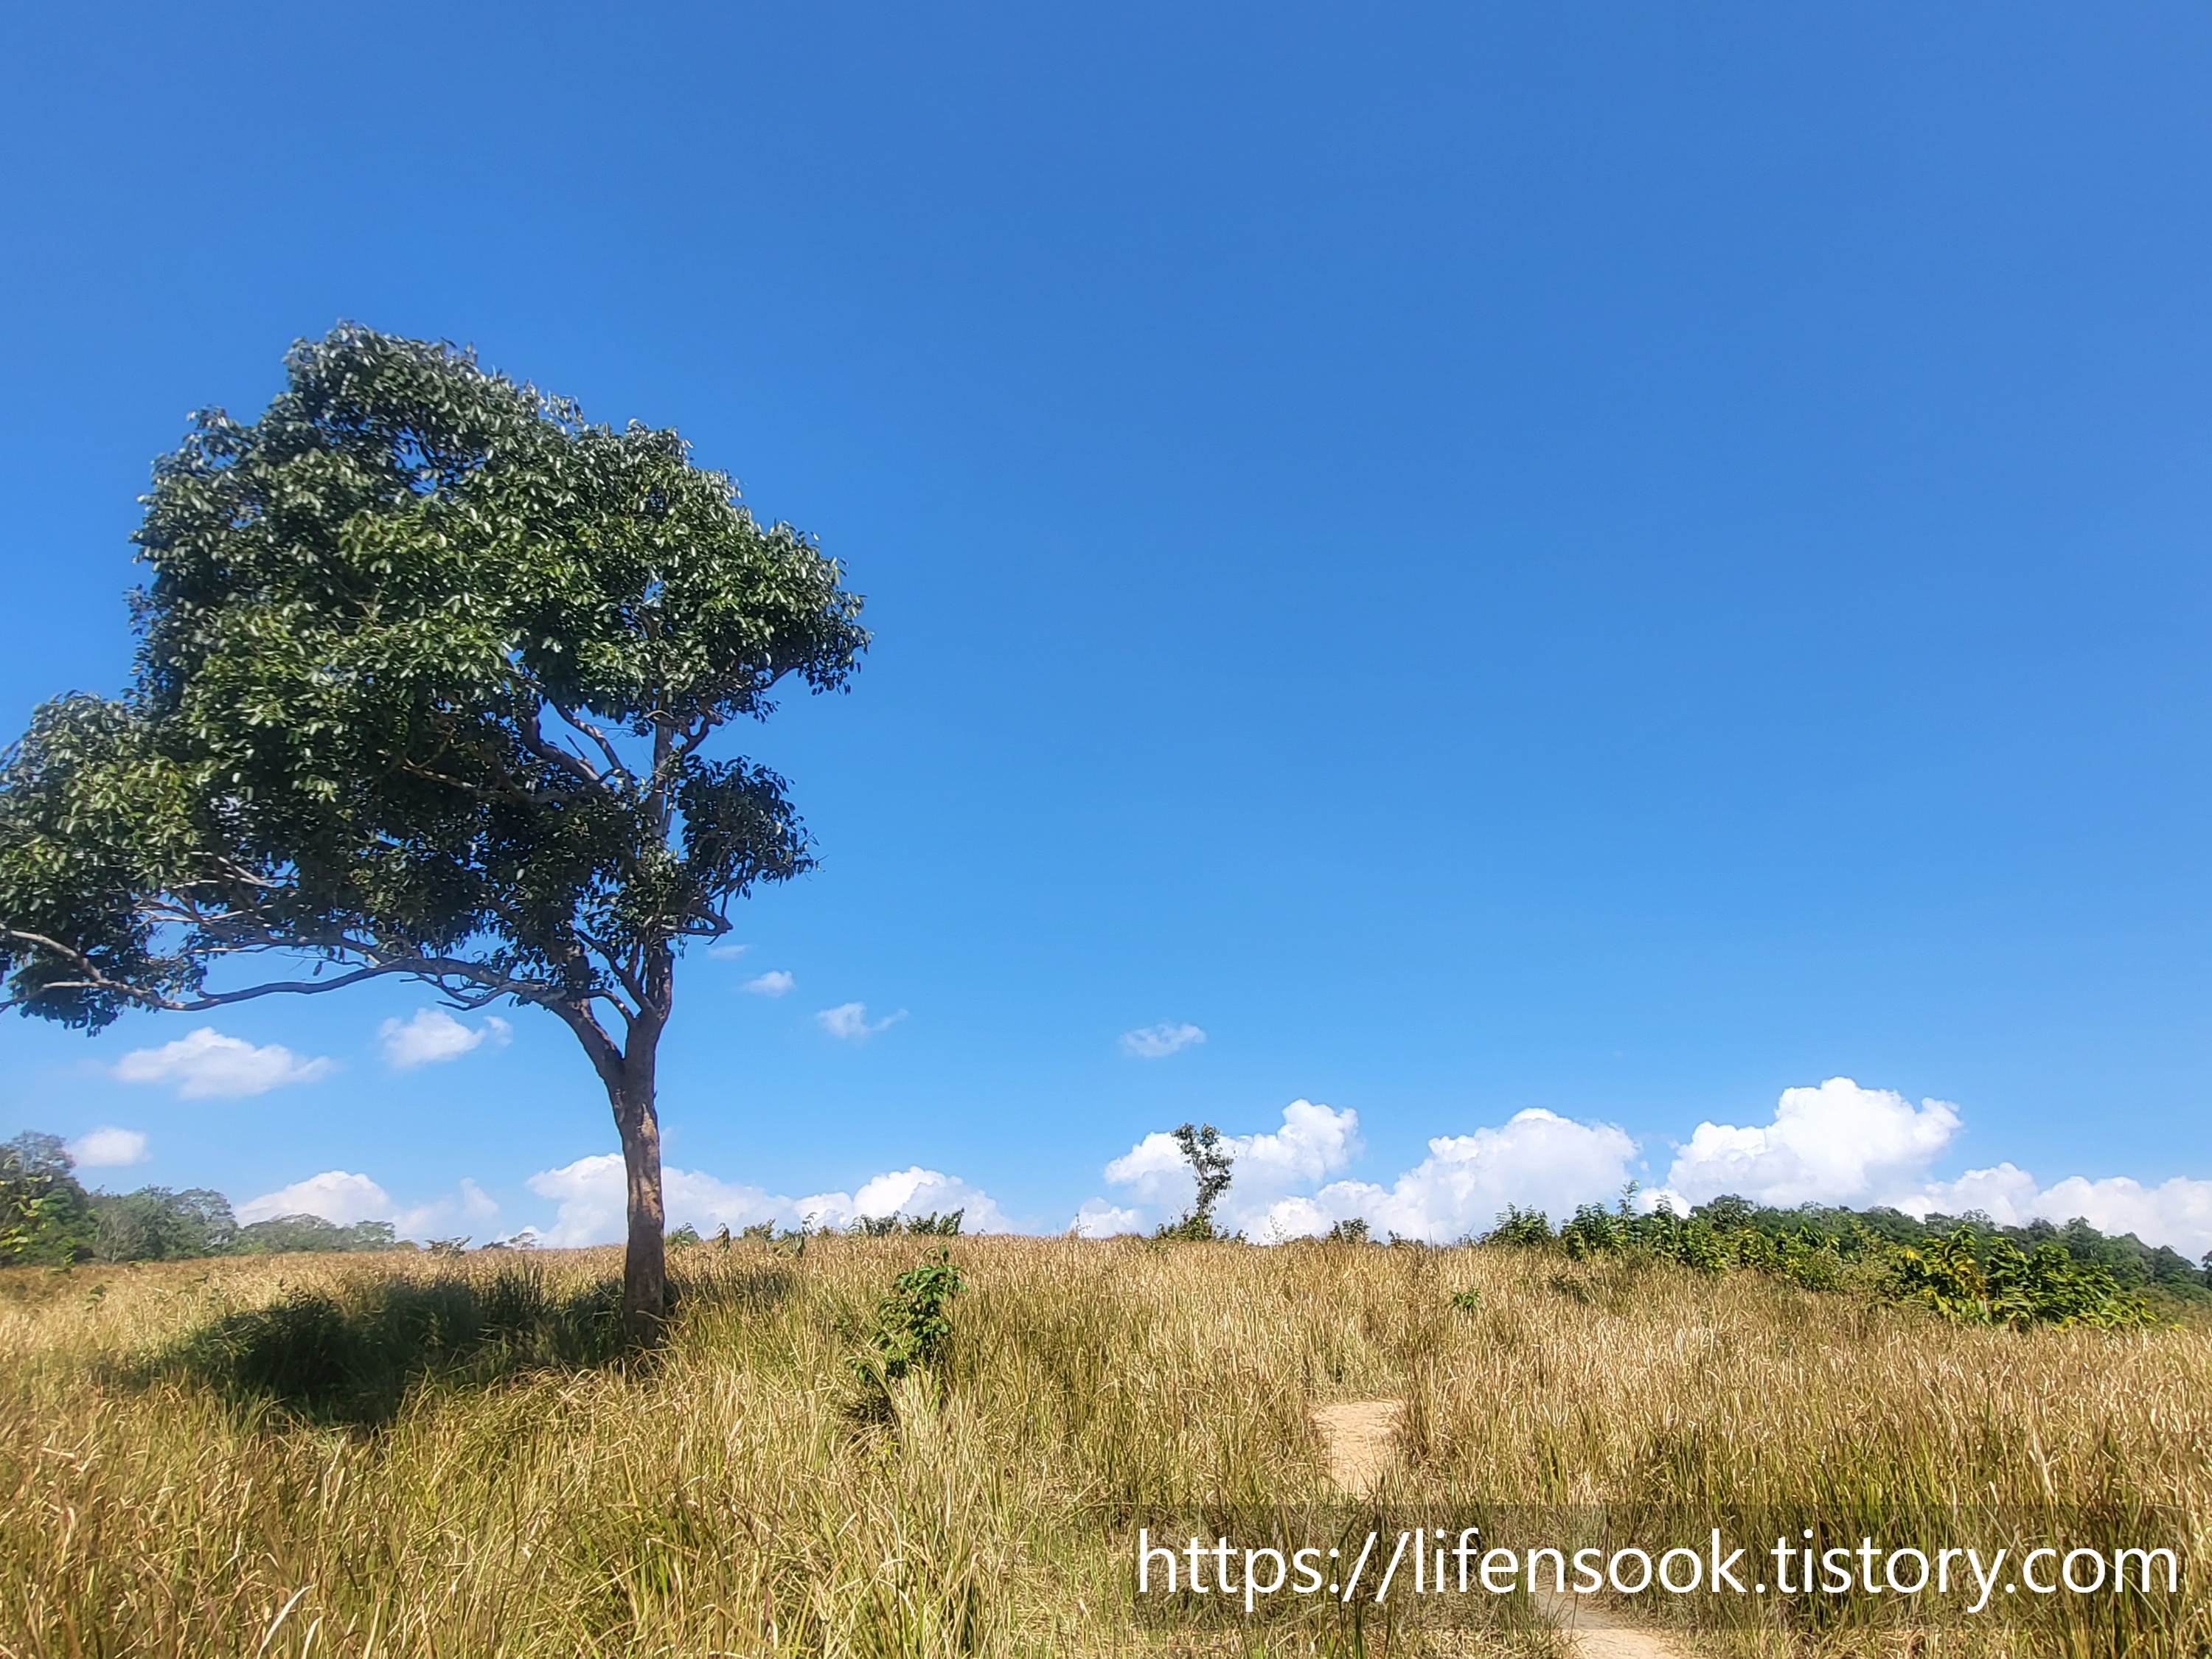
(340, 1196)
(441, 1215)
(432, 1036)
(106, 1148)
(207, 1063)
(909, 1192)
(726, 951)
(1837, 1143)
(1099, 1219)
(849, 1021)
(1841, 1144)
(773, 983)
(2177, 1212)
(335, 1195)
(590, 1193)
(1313, 1141)
(1536, 1159)
(1158, 1041)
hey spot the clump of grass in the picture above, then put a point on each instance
(349, 1352)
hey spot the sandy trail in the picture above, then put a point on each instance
(1361, 1438)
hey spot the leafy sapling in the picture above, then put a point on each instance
(913, 1323)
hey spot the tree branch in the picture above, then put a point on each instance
(605, 745)
(492, 983)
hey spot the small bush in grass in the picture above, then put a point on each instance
(913, 1322)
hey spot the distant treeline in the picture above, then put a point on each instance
(2133, 1265)
(1965, 1268)
(48, 1219)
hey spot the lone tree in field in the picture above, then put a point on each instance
(1210, 1161)
(429, 671)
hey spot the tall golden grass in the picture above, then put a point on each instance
(729, 1496)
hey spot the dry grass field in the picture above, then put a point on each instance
(394, 1455)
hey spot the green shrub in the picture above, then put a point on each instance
(1978, 1280)
(1520, 1227)
(913, 1322)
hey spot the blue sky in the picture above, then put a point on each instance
(1601, 560)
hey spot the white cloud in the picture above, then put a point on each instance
(2177, 1212)
(2008, 1195)
(1158, 1041)
(1841, 1144)
(343, 1198)
(727, 951)
(909, 1192)
(441, 1216)
(206, 1062)
(1312, 1142)
(432, 1036)
(1292, 1218)
(334, 1195)
(1837, 1143)
(591, 1196)
(1099, 1219)
(849, 1021)
(590, 1192)
(106, 1148)
(1537, 1159)
(1156, 1169)
(772, 984)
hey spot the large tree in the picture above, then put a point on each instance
(429, 677)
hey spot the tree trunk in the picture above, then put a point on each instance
(645, 1262)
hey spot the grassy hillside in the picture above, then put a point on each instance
(397, 1456)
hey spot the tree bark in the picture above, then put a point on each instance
(627, 1073)
(645, 1261)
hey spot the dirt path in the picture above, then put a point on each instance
(1360, 1434)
